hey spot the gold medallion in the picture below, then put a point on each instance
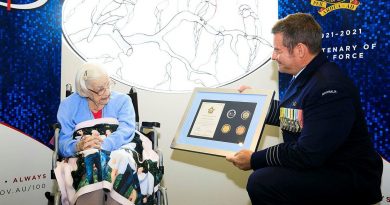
(225, 128)
(240, 130)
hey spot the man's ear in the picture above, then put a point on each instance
(302, 50)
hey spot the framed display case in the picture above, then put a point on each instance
(223, 121)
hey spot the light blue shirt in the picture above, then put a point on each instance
(74, 109)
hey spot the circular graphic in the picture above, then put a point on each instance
(240, 130)
(245, 115)
(231, 113)
(26, 6)
(225, 128)
(171, 45)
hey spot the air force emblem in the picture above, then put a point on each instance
(327, 6)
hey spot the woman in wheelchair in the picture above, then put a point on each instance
(92, 155)
(94, 99)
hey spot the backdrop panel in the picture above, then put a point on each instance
(30, 63)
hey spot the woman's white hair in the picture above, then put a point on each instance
(88, 71)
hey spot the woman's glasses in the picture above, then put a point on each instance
(104, 89)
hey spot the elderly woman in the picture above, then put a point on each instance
(94, 100)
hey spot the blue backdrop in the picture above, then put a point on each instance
(356, 36)
(30, 63)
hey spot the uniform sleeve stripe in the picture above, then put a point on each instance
(269, 156)
(266, 157)
(277, 155)
(272, 157)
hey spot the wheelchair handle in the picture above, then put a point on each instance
(68, 88)
(134, 99)
(56, 125)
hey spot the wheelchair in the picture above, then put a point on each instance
(149, 129)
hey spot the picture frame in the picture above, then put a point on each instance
(220, 121)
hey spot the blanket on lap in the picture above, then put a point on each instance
(130, 174)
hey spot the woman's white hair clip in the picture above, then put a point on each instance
(85, 77)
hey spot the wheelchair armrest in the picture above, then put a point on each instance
(55, 156)
(149, 129)
(150, 124)
(161, 160)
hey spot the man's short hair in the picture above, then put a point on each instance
(300, 28)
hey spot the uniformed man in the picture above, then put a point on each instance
(327, 156)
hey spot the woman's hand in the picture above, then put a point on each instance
(89, 142)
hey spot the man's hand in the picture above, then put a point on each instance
(242, 88)
(241, 159)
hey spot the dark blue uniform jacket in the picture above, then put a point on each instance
(323, 125)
